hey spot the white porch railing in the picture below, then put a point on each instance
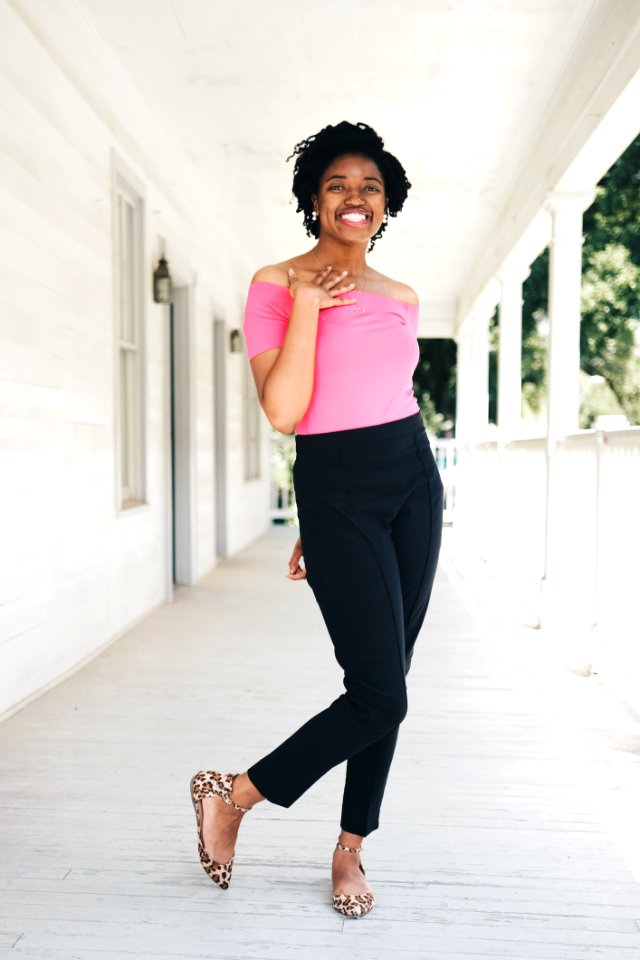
(565, 549)
(574, 562)
(446, 456)
(282, 497)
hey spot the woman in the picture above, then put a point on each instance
(333, 347)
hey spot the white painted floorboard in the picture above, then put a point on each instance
(509, 828)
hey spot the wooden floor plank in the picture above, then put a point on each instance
(507, 829)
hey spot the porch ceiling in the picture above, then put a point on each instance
(458, 89)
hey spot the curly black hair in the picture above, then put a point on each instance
(317, 152)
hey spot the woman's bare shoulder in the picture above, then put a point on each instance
(405, 292)
(273, 273)
(395, 288)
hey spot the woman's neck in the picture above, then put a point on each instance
(340, 257)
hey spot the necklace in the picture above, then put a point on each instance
(354, 306)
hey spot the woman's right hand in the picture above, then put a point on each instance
(329, 291)
(296, 572)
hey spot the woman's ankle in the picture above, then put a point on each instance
(353, 840)
(244, 792)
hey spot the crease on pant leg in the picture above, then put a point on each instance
(399, 627)
(429, 555)
(431, 511)
(400, 640)
(423, 576)
(368, 829)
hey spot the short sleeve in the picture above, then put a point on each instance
(266, 317)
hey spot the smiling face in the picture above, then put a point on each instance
(351, 199)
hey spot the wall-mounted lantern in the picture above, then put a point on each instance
(235, 341)
(162, 292)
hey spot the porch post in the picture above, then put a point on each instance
(563, 391)
(472, 397)
(565, 276)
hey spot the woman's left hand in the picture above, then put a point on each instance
(296, 572)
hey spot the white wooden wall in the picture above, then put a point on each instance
(74, 574)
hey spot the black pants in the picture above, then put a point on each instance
(370, 510)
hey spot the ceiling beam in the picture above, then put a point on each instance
(604, 62)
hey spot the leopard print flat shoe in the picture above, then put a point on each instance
(353, 904)
(209, 783)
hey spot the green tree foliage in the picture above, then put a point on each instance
(610, 329)
(434, 384)
(609, 334)
(534, 334)
(614, 217)
(610, 289)
(596, 398)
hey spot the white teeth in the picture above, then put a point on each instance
(356, 217)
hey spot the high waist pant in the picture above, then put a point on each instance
(370, 511)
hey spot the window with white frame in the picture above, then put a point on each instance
(251, 424)
(128, 237)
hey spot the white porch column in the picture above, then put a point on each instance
(562, 597)
(472, 398)
(565, 274)
(510, 351)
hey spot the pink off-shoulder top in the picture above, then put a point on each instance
(364, 361)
